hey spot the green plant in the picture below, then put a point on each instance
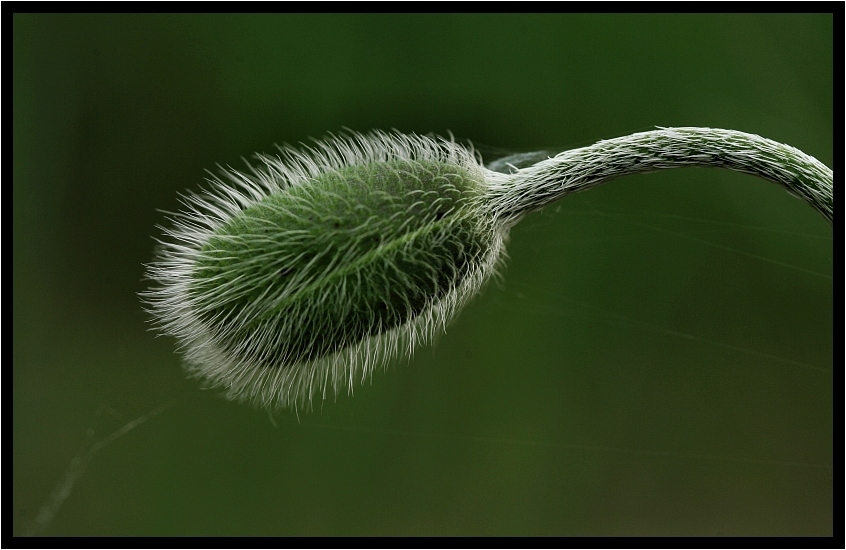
(318, 267)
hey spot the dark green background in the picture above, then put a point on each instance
(658, 359)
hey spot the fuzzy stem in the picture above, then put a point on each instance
(538, 185)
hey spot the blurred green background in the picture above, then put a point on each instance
(657, 360)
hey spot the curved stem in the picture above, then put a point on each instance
(512, 196)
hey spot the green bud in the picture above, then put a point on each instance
(311, 279)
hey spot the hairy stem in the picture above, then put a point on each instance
(536, 186)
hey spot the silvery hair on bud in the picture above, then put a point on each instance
(321, 264)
